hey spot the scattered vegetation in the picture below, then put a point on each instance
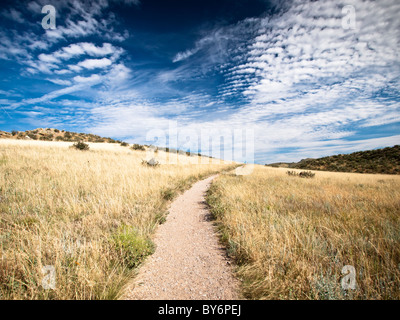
(88, 214)
(138, 147)
(292, 237)
(81, 146)
(385, 161)
(49, 134)
(168, 194)
(292, 173)
(132, 247)
(302, 174)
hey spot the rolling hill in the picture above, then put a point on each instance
(386, 160)
(49, 134)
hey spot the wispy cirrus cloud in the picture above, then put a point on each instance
(13, 14)
(303, 83)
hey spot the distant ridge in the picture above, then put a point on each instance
(50, 134)
(386, 160)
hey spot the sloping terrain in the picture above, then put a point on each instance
(291, 237)
(82, 218)
(50, 134)
(386, 160)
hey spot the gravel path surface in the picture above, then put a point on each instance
(188, 263)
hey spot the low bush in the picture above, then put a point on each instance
(306, 174)
(168, 194)
(32, 136)
(132, 247)
(302, 174)
(80, 145)
(138, 147)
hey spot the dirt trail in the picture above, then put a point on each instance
(188, 263)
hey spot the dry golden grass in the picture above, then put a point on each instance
(292, 236)
(89, 214)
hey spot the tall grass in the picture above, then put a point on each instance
(291, 237)
(88, 214)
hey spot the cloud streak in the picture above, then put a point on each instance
(303, 83)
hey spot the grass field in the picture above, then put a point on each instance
(292, 236)
(87, 215)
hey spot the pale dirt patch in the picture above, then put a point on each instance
(189, 262)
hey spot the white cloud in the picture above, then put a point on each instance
(74, 67)
(118, 73)
(303, 82)
(92, 78)
(95, 63)
(48, 96)
(48, 58)
(82, 48)
(60, 82)
(14, 15)
(34, 7)
(184, 55)
(62, 71)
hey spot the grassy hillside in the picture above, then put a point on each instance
(291, 236)
(50, 134)
(88, 214)
(386, 161)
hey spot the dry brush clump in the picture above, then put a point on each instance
(302, 174)
(80, 145)
(90, 215)
(292, 237)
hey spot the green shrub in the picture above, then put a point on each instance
(138, 147)
(67, 135)
(46, 138)
(291, 173)
(306, 174)
(81, 146)
(302, 174)
(32, 136)
(131, 246)
(168, 194)
(14, 132)
(124, 144)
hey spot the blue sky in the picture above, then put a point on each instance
(288, 71)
